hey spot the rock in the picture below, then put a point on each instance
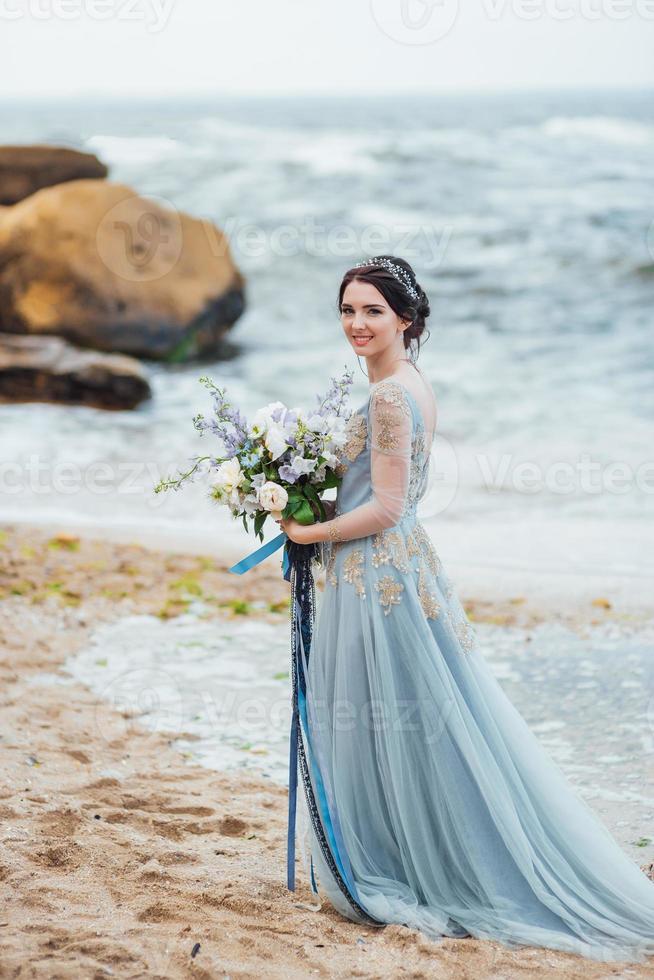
(25, 169)
(50, 369)
(94, 262)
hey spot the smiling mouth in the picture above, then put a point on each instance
(360, 341)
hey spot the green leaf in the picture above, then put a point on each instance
(304, 514)
(312, 495)
(331, 480)
(259, 521)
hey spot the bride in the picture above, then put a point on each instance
(429, 801)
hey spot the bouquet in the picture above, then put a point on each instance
(277, 465)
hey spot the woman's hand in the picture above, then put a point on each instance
(299, 533)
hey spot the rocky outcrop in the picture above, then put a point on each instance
(49, 369)
(96, 263)
(26, 169)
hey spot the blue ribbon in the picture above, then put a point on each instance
(245, 564)
(292, 805)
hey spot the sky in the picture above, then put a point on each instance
(151, 48)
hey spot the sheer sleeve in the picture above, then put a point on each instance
(390, 429)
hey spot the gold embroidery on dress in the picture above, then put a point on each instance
(428, 601)
(389, 548)
(412, 544)
(417, 465)
(390, 592)
(387, 439)
(424, 543)
(356, 430)
(394, 394)
(330, 574)
(353, 571)
(465, 634)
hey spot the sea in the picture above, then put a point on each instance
(529, 221)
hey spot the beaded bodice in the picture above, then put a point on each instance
(354, 464)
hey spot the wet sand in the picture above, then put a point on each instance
(121, 857)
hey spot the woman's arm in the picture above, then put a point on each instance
(390, 421)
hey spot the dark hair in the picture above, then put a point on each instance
(396, 296)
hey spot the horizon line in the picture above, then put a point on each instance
(420, 93)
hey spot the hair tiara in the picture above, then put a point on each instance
(396, 271)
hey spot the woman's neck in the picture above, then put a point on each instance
(378, 372)
(382, 367)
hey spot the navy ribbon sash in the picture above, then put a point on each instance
(297, 569)
(302, 619)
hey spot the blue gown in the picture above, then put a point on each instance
(428, 801)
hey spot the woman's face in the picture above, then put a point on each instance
(369, 323)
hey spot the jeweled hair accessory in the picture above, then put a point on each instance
(397, 271)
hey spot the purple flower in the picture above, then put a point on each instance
(288, 474)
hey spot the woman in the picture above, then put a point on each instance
(432, 803)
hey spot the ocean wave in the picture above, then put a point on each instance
(118, 150)
(610, 129)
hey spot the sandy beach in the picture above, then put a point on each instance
(121, 856)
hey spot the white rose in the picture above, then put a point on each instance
(275, 441)
(260, 422)
(262, 418)
(229, 475)
(272, 497)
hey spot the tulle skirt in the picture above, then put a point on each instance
(440, 808)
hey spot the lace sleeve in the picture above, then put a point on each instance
(390, 426)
